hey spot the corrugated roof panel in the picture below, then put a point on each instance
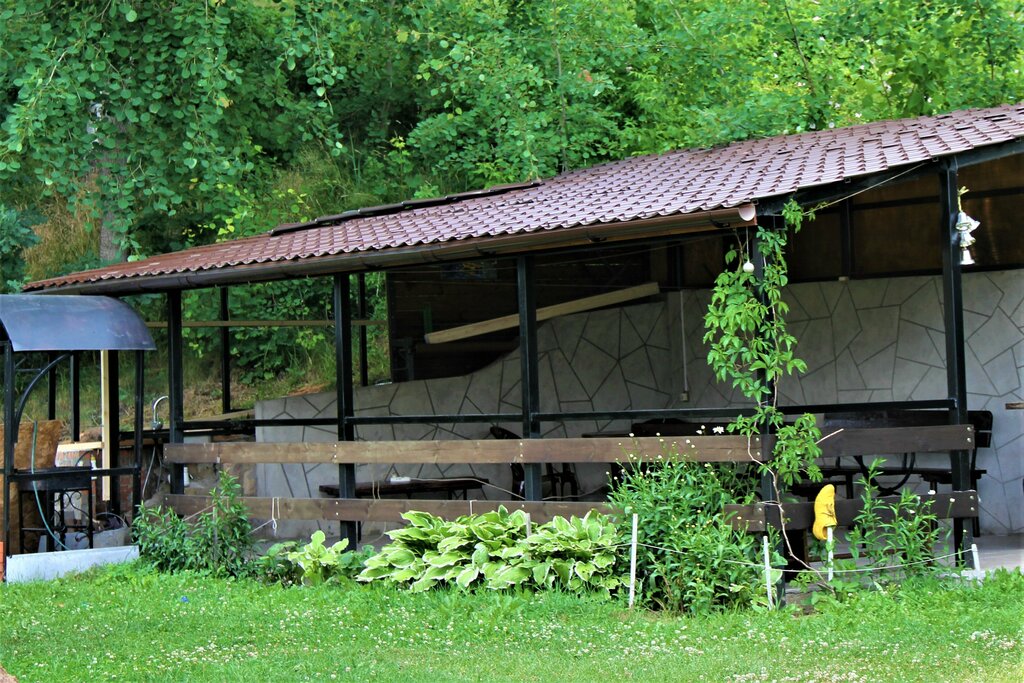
(676, 183)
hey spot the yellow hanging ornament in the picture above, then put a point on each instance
(824, 511)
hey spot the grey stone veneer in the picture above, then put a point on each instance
(870, 340)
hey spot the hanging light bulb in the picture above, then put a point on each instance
(748, 267)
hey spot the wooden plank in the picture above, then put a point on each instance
(233, 415)
(162, 325)
(379, 510)
(508, 322)
(959, 504)
(891, 440)
(727, 448)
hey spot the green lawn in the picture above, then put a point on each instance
(136, 625)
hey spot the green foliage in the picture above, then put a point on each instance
(179, 122)
(165, 540)
(751, 347)
(689, 559)
(165, 106)
(900, 535)
(217, 541)
(16, 235)
(315, 563)
(814, 65)
(492, 550)
(519, 90)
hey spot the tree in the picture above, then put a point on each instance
(137, 109)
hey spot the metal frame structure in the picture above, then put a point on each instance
(531, 416)
(61, 327)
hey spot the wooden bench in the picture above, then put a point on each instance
(840, 473)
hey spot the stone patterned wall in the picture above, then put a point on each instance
(871, 340)
(884, 340)
(603, 360)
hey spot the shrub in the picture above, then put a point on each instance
(217, 541)
(689, 558)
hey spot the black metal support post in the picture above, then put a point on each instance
(846, 238)
(529, 377)
(51, 388)
(364, 372)
(140, 407)
(953, 314)
(176, 385)
(767, 485)
(112, 434)
(10, 436)
(225, 354)
(771, 490)
(76, 394)
(345, 393)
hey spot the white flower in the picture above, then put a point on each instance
(719, 430)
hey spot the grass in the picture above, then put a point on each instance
(133, 624)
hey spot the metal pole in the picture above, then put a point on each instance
(76, 395)
(10, 436)
(846, 239)
(113, 429)
(345, 393)
(225, 354)
(51, 389)
(529, 377)
(176, 385)
(140, 407)
(364, 372)
(953, 314)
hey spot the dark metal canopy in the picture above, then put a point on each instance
(71, 323)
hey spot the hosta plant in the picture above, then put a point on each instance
(492, 550)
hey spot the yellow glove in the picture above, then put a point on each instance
(824, 511)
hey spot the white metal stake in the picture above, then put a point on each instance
(632, 562)
(768, 573)
(529, 525)
(830, 546)
(974, 555)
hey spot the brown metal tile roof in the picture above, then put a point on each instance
(685, 184)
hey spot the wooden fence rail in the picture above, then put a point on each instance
(381, 510)
(476, 452)
(956, 504)
(715, 448)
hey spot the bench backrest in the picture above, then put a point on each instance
(981, 420)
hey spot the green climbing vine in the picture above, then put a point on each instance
(751, 347)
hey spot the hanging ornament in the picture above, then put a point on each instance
(748, 267)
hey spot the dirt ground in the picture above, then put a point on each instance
(6, 677)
